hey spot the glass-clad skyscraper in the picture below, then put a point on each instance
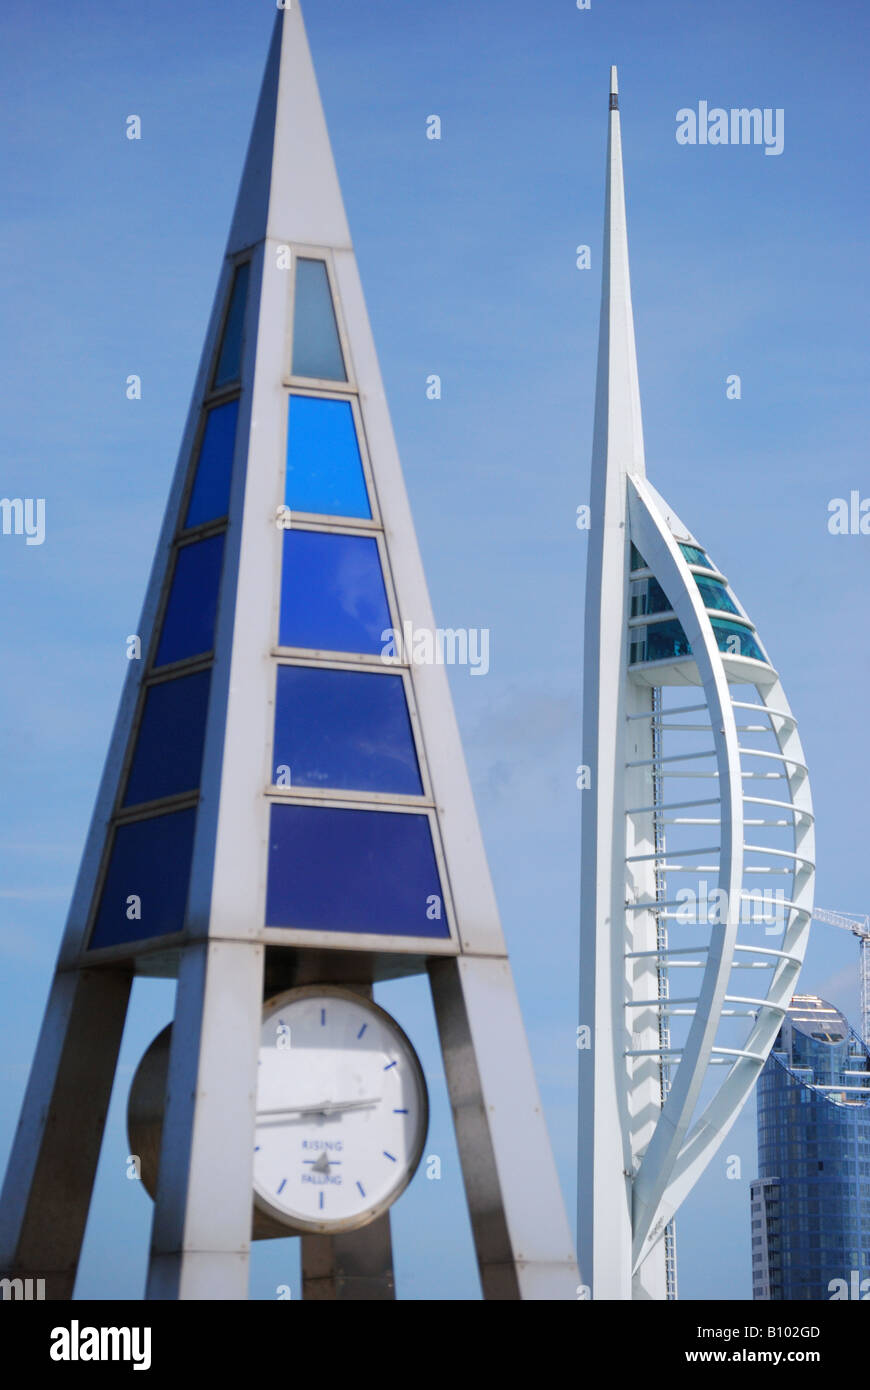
(811, 1201)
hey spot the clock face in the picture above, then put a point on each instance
(342, 1110)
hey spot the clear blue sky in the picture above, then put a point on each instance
(741, 263)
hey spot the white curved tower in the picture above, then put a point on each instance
(697, 868)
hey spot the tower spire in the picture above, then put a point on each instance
(618, 443)
(289, 190)
(651, 623)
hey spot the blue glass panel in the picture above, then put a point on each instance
(230, 360)
(736, 640)
(637, 560)
(188, 625)
(659, 642)
(696, 556)
(151, 860)
(210, 497)
(324, 468)
(715, 595)
(353, 871)
(649, 598)
(344, 729)
(316, 347)
(168, 756)
(332, 593)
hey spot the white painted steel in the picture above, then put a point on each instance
(650, 1116)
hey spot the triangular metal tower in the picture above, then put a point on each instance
(698, 802)
(285, 813)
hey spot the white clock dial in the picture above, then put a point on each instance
(342, 1110)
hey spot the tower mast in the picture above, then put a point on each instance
(683, 714)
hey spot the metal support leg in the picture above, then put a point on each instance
(353, 1265)
(201, 1234)
(50, 1178)
(521, 1232)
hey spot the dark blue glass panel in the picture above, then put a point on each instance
(316, 347)
(210, 497)
(637, 560)
(332, 593)
(168, 756)
(353, 871)
(650, 598)
(345, 729)
(324, 468)
(150, 860)
(188, 625)
(736, 640)
(230, 360)
(659, 642)
(715, 595)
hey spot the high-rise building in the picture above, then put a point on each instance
(698, 799)
(811, 1200)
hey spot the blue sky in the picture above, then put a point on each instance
(741, 263)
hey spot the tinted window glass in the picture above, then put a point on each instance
(230, 358)
(168, 756)
(324, 468)
(316, 347)
(211, 489)
(353, 871)
(150, 859)
(188, 625)
(332, 593)
(344, 729)
(715, 595)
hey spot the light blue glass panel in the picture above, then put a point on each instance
(332, 593)
(353, 871)
(715, 594)
(210, 497)
(151, 859)
(696, 556)
(316, 346)
(347, 729)
(736, 640)
(324, 468)
(230, 359)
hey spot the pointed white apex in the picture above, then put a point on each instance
(614, 87)
(618, 428)
(289, 189)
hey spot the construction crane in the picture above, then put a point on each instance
(860, 927)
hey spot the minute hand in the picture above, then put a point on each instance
(324, 1107)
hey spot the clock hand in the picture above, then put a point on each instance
(347, 1104)
(325, 1107)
